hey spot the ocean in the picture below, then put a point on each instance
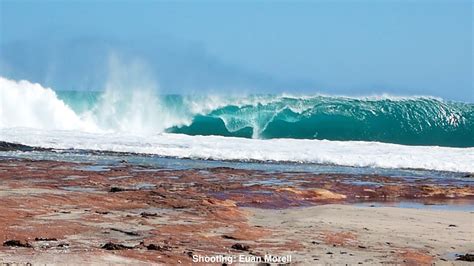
(387, 132)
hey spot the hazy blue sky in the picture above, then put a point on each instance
(342, 47)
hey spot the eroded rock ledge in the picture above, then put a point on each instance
(156, 215)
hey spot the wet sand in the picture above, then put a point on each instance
(348, 234)
(60, 212)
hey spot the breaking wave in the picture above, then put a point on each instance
(138, 109)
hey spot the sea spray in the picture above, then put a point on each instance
(130, 101)
(26, 104)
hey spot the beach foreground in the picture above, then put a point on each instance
(62, 212)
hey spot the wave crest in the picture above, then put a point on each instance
(26, 104)
(417, 121)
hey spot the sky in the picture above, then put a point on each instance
(336, 47)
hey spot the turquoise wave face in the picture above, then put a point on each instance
(411, 121)
(421, 121)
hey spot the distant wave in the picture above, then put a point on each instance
(401, 120)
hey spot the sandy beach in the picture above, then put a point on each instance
(60, 212)
(341, 234)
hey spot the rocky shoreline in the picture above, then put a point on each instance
(60, 212)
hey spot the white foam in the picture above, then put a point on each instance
(26, 104)
(346, 153)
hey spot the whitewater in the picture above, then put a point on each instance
(242, 128)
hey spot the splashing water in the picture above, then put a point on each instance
(131, 103)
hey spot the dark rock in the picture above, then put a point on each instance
(8, 146)
(229, 237)
(45, 239)
(16, 243)
(148, 214)
(117, 189)
(360, 246)
(130, 233)
(158, 247)
(239, 246)
(466, 257)
(452, 225)
(329, 253)
(113, 246)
